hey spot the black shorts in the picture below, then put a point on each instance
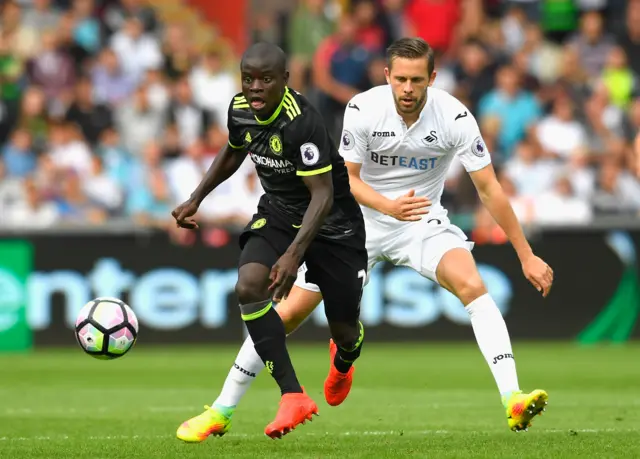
(338, 268)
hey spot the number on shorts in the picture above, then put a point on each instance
(362, 274)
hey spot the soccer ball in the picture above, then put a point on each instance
(106, 328)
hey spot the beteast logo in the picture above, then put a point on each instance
(383, 134)
(497, 358)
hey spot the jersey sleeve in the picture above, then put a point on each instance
(312, 146)
(235, 133)
(468, 143)
(354, 139)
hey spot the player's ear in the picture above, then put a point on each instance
(432, 78)
(387, 75)
(286, 77)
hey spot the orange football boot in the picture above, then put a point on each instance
(295, 409)
(337, 385)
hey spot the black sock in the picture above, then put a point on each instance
(269, 339)
(344, 358)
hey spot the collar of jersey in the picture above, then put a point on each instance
(276, 113)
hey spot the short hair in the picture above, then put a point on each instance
(411, 48)
(272, 54)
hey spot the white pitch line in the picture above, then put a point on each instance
(314, 434)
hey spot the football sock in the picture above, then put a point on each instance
(269, 338)
(243, 372)
(493, 339)
(344, 358)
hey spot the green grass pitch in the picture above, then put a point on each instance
(409, 400)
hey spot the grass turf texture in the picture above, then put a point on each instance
(408, 400)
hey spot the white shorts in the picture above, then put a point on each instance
(417, 246)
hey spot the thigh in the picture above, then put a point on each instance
(340, 273)
(257, 249)
(264, 239)
(434, 248)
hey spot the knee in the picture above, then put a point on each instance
(250, 290)
(470, 288)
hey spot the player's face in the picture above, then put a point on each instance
(262, 86)
(409, 80)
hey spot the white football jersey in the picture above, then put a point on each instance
(396, 159)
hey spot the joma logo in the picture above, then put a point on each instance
(383, 134)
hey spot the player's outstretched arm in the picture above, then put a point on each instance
(497, 203)
(225, 164)
(285, 271)
(405, 208)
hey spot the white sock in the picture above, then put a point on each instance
(244, 371)
(493, 339)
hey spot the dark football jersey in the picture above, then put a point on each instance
(291, 144)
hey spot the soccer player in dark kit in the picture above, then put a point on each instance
(306, 214)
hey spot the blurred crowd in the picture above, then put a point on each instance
(106, 113)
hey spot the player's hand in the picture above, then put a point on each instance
(283, 275)
(409, 208)
(539, 274)
(184, 214)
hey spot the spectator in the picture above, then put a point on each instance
(103, 189)
(544, 56)
(340, 71)
(34, 118)
(33, 211)
(136, 50)
(560, 206)
(148, 198)
(436, 21)
(573, 79)
(474, 73)
(230, 204)
(68, 150)
(42, 16)
(580, 172)
(560, 134)
(213, 87)
(118, 12)
(591, 43)
(112, 85)
(87, 33)
(629, 39)
(619, 79)
(157, 90)
(369, 33)
(617, 192)
(530, 173)
(18, 156)
(115, 159)
(21, 40)
(176, 50)
(190, 120)
(53, 70)
(138, 122)
(67, 42)
(308, 27)
(11, 192)
(93, 119)
(513, 28)
(74, 206)
(392, 20)
(517, 109)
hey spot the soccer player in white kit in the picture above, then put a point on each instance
(398, 142)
